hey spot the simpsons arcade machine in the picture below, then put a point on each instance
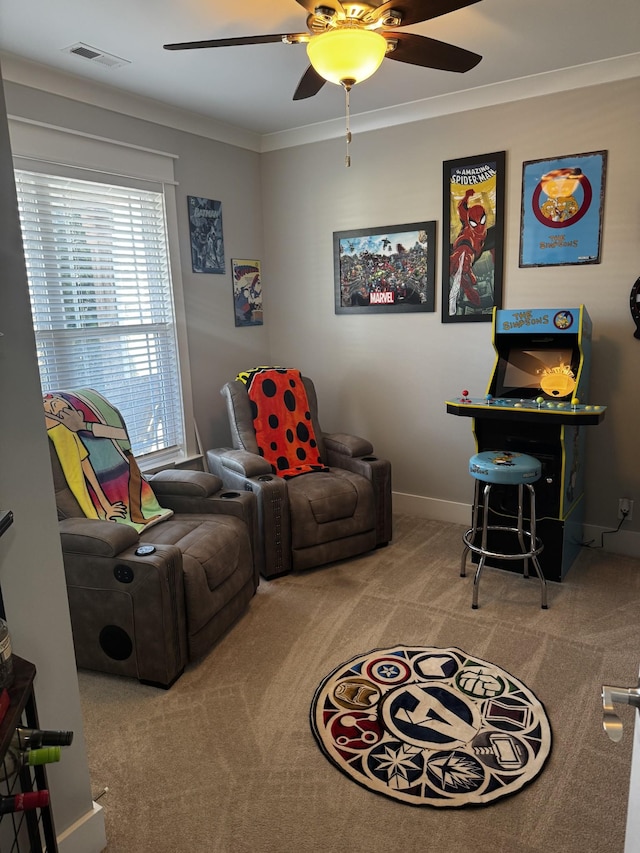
(533, 405)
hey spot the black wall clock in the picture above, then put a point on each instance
(635, 307)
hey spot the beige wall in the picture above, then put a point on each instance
(388, 375)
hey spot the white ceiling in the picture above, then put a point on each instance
(251, 87)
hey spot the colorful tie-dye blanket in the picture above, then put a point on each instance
(94, 450)
(282, 420)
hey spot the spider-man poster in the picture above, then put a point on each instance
(472, 233)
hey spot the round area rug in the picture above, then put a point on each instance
(431, 727)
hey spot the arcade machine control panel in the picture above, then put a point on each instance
(557, 411)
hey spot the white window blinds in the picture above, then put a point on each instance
(102, 300)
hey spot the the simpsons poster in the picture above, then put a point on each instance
(562, 201)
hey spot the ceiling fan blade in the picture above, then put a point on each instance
(267, 39)
(430, 53)
(416, 11)
(310, 84)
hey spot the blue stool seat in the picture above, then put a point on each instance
(504, 468)
(499, 466)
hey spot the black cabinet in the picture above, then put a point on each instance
(28, 831)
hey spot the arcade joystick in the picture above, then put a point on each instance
(465, 397)
(489, 399)
(539, 401)
(574, 403)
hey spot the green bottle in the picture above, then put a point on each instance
(14, 760)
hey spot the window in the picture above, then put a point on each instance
(102, 296)
(101, 300)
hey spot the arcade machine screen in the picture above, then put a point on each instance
(527, 370)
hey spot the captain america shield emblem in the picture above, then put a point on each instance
(431, 726)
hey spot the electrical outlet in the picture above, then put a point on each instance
(625, 508)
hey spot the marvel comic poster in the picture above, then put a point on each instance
(472, 237)
(205, 230)
(247, 292)
(385, 270)
(561, 217)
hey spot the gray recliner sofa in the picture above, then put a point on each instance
(143, 611)
(315, 518)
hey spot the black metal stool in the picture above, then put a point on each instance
(513, 469)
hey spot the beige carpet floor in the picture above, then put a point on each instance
(225, 761)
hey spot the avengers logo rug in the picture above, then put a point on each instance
(431, 727)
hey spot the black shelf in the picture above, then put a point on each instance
(29, 831)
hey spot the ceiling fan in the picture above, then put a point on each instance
(346, 42)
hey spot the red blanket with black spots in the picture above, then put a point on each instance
(282, 420)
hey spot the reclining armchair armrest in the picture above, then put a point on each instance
(249, 472)
(180, 483)
(346, 445)
(127, 610)
(201, 492)
(238, 462)
(184, 491)
(96, 538)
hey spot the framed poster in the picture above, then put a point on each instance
(562, 203)
(247, 292)
(205, 231)
(472, 237)
(390, 269)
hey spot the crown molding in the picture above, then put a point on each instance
(46, 79)
(37, 76)
(551, 82)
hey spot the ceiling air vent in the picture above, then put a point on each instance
(85, 51)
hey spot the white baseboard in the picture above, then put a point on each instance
(626, 543)
(86, 835)
(433, 508)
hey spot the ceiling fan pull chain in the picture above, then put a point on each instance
(347, 89)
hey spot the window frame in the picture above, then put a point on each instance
(67, 153)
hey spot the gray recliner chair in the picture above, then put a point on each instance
(314, 518)
(143, 604)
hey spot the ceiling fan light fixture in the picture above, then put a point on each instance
(346, 54)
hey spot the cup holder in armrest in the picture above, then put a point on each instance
(230, 495)
(369, 458)
(265, 478)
